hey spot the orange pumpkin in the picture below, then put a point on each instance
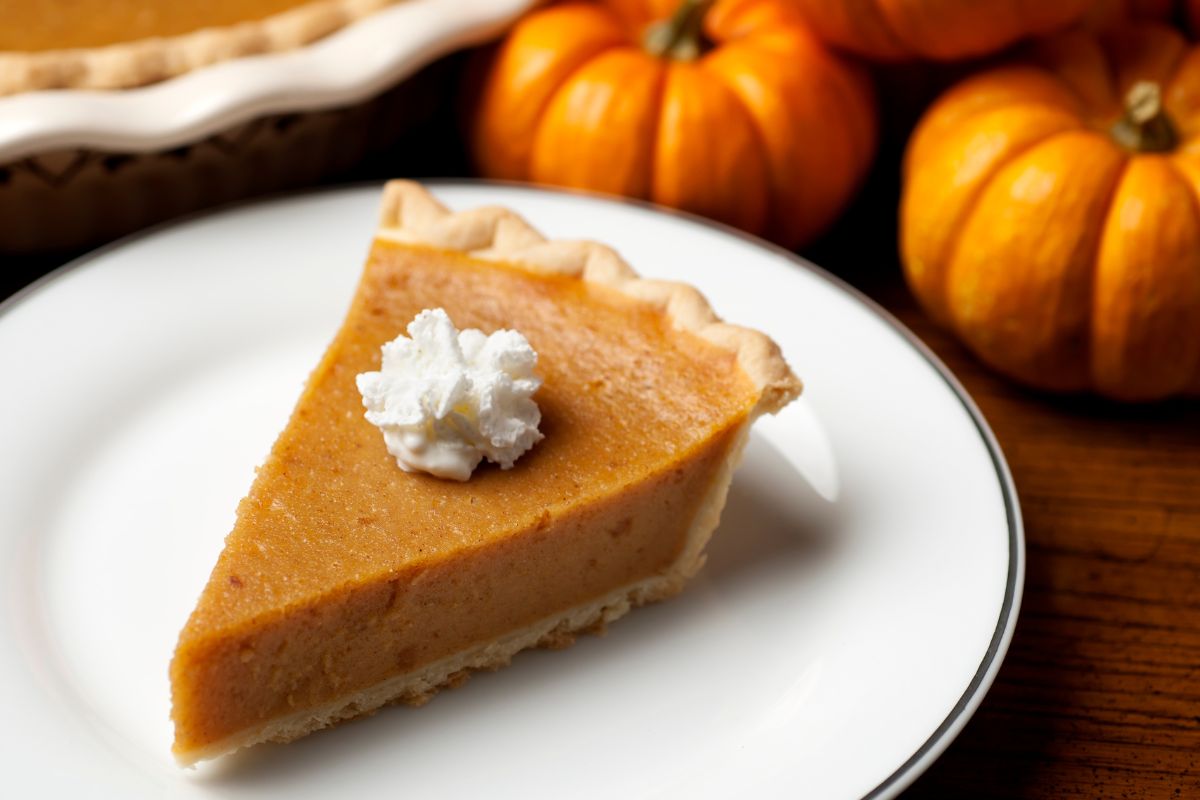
(940, 30)
(1108, 13)
(1051, 214)
(732, 110)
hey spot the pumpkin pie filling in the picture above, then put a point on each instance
(36, 25)
(96, 44)
(344, 576)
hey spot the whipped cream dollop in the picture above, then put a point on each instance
(446, 399)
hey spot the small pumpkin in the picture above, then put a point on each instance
(731, 110)
(1050, 214)
(939, 30)
(1105, 14)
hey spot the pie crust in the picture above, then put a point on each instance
(412, 216)
(129, 64)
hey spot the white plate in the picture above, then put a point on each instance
(860, 594)
(343, 68)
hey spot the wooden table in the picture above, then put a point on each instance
(1100, 693)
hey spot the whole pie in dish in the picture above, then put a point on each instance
(348, 583)
(117, 44)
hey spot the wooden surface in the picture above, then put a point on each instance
(1100, 694)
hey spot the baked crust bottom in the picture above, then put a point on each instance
(558, 631)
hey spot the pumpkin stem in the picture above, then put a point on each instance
(682, 36)
(1145, 126)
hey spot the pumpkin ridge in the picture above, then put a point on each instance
(778, 69)
(496, 141)
(954, 96)
(687, 167)
(1181, 173)
(1088, 345)
(842, 77)
(1014, 17)
(1092, 256)
(620, 88)
(1193, 379)
(898, 43)
(971, 205)
(659, 100)
(1030, 104)
(1192, 373)
(553, 94)
(759, 136)
(1051, 55)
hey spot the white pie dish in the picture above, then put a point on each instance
(81, 167)
(344, 68)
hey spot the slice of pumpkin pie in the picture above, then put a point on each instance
(550, 448)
